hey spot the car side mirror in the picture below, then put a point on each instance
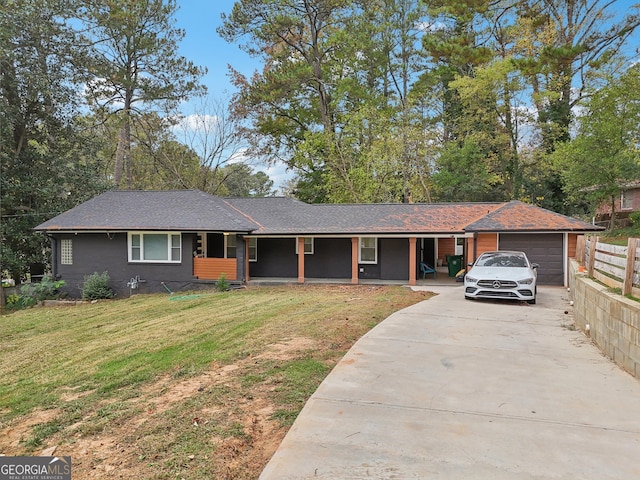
(534, 265)
(470, 264)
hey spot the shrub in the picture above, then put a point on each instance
(47, 289)
(96, 286)
(32, 293)
(17, 302)
(222, 283)
(634, 218)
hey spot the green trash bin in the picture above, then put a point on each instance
(455, 264)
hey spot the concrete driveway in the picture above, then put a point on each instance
(461, 389)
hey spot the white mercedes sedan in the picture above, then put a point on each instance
(503, 275)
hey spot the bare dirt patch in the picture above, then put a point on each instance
(109, 454)
(18, 431)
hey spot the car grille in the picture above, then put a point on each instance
(492, 284)
(497, 293)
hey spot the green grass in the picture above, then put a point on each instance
(97, 369)
(620, 236)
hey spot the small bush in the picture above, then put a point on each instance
(18, 302)
(47, 289)
(634, 218)
(32, 293)
(96, 286)
(222, 284)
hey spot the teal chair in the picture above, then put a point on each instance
(425, 269)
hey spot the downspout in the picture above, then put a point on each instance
(54, 256)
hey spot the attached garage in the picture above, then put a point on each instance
(545, 249)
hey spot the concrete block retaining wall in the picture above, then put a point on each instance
(613, 320)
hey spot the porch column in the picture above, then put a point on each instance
(300, 241)
(354, 260)
(412, 260)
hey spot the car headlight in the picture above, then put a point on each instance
(470, 279)
(526, 281)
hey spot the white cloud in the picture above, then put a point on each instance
(198, 122)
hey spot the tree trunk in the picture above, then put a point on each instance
(612, 221)
(117, 171)
(127, 150)
(123, 155)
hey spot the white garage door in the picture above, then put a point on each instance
(545, 249)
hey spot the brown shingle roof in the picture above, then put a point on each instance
(517, 216)
(177, 210)
(286, 216)
(193, 210)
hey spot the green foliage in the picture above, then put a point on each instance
(47, 289)
(558, 64)
(463, 175)
(135, 66)
(46, 165)
(348, 92)
(17, 302)
(240, 181)
(634, 217)
(602, 158)
(96, 286)
(222, 284)
(32, 293)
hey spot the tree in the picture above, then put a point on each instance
(491, 122)
(215, 136)
(334, 94)
(352, 105)
(295, 92)
(562, 46)
(455, 44)
(604, 156)
(136, 66)
(463, 175)
(159, 160)
(46, 163)
(240, 181)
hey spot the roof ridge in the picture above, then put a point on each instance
(499, 206)
(248, 217)
(137, 190)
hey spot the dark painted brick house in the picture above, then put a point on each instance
(186, 239)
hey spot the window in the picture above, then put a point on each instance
(66, 251)
(626, 201)
(155, 247)
(308, 246)
(368, 251)
(253, 249)
(230, 245)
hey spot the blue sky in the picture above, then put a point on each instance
(203, 46)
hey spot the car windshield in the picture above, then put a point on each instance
(502, 260)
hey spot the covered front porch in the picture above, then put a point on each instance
(442, 279)
(325, 259)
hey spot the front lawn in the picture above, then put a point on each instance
(197, 386)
